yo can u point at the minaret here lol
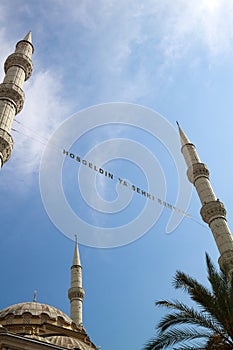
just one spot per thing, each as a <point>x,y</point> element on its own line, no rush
<point>212,211</point>
<point>18,68</point>
<point>76,292</point>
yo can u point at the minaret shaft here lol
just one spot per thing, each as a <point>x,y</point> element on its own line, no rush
<point>76,292</point>
<point>18,68</point>
<point>212,211</point>
<point>205,191</point>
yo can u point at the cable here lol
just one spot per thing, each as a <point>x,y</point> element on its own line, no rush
<point>38,136</point>
<point>186,215</point>
<point>30,129</point>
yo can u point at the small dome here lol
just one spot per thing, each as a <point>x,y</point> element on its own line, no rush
<point>69,343</point>
<point>35,309</point>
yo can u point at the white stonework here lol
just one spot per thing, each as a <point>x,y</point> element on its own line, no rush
<point>205,191</point>
<point>18,68</point>
<point>212,211</point>
<point>76,292</point>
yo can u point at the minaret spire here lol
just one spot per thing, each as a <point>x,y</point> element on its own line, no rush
<point>183,138</point>
<point>18,68</point>
<point>212,211</point>
<point>28,37</point>
<point>76,292</point>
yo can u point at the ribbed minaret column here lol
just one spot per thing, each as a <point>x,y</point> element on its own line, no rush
<point>18,68</point>
<point>76,292</point>
<point>212,211</point>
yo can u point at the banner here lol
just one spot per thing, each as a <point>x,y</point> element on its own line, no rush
<point>125,183</point>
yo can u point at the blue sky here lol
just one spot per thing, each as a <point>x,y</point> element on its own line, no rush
<point>174,57</point>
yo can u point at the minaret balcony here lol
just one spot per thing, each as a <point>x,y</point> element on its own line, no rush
<point>12,92</point>
<point>19,60</point>
<point>226,260</point>
<point>196,171</point>
<point>6,145</point>
<point>76,293</point>
<point>213,210</point>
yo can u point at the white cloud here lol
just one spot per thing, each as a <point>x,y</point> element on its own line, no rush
<point>128,46</point>
<point>120,44</point>
<point>175,24</point>
<point>43,110</point>
<point>195,25</point>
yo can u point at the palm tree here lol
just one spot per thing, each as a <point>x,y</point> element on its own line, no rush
<point>209,325</point>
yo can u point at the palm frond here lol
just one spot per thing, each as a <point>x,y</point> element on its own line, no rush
<point>218,302</point>
<point>207,327</point>
<point>174,336</point>
<point>186,315</point>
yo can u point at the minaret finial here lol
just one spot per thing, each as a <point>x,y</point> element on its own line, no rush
<point>212,211</point>
<point>76,259</point>
<point>28,37</point>
<point>18,68</point>
<point>183,138</point>
<point>76,292</point>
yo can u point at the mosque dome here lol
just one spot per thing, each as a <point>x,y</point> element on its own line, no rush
<point>46,324</point>
<point>32,311</point>
<point>35,310</point>
<point>69,343</point>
